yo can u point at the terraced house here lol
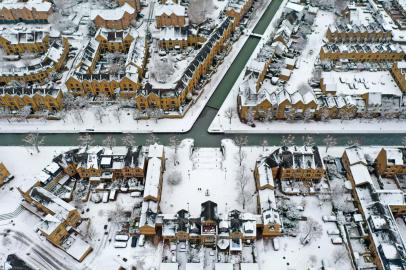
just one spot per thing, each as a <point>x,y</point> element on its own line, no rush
<point>92,76</point>
<point>373,32</point>
<point>31,11</point>
<point>52,61</point>
<point>4,174</point>
<point>362,52</point>
<point>170,14</point>
<point>398,72</point>
<point>117,18</point>
<point>18,41</point>
<point>36,98</point>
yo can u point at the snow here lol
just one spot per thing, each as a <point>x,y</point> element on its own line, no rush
<point>112,14</point>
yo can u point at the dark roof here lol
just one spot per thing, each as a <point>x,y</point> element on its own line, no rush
<point>209,211</point>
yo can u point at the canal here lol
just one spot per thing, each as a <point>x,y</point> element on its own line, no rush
<point>199,131</point>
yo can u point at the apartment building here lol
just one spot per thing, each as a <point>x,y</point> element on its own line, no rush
<point>170,14</point>
<point>349,33</point>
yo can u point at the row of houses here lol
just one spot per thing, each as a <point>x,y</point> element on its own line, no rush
<point>373,32</point>
<point>18,41</point>
<point>379,204</point>
<point>117,18</point>
<point>362,52</point>
<point>36,98</point>
<point>31,11</point>
<point>52,61</point>
<point>4,174</point>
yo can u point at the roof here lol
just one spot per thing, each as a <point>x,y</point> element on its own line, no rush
<point>112,14</point>
<point>249,266</point>
<point>355,155</point>
<point>38,5</point>
<point>223,266</point>
<point>169,9</point>
<point>169,266</point>
<point>194,266</point>
<point>360,174</point>
<point>153,178</point>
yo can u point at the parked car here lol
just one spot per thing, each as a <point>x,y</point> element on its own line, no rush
<point>333,232</point>
<point>329,218</point>
<point>134,241</point>
<point>337,240</point>
<point>275,243</point>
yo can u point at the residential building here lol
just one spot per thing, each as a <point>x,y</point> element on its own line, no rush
<point>117,18</point>
<point>170,14</point>
<point>362,52</point>
<point>4,174</point>
<point>52,61</point>
<point>30,11</point>
<point>398,72</point>
<point>17,41</point>
<point>178,38</point>
<point>343,33</point>
<point>391,162</point>
<point>237,9</point>
<point>36,98</point>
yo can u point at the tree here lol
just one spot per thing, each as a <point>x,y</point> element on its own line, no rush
<point>86,140</point>
<point>109,141</point>
<point>308,115</point>
<point>324,114</point>
<point>329,141</point>
<point>34,140</point>
<point>404,141</point>
<point>128,140</point>
<point>308,141</point>
<point>264,144</point>
<point>155,113</point>
<point>229,114</point>
<point>290,114</point>
<point>152,139</point>
<point>199,9</point>
<point>137,114</point>
<point>339,255</point>
<point>240,156</point>
<point>117,213</point>
<point>288,140</point>
<point>353,142</point>
<point>311,230</point>
<point>117,114</point>
<point>174,142</point>
<point>242,187</point>
<point>25,112</point>
<point>175,178</point>
<point>99,114</point>
<point>241,141</point>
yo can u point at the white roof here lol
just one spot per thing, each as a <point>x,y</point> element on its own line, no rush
<point>156,151</point>
<point>294,7</point>
<point>267,199</point>
<point>265,176</point>
<point>249,266</point>
<point>223,266</point>
<point>169,9</point>
<point>360,174</point>
<point>52,168</point>
<point>38,5</point>
<point>194,266</point>
<point>152,179</point>
<point>395,155</point>
<point>78,248</point>
<point>355,155</point>
<point>112,14</point>
<point>169,266</point>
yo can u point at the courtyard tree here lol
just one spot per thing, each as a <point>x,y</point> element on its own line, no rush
<point>243,187</point>
<point>175,178</point>
<point>311,230</point>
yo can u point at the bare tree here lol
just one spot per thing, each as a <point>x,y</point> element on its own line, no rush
<point>198,10</point>
<point>339,255</point>
<point>175,178</point>
<point>128,140</point>
<point>264,144</point>
<point>117,114</point>
<point>117,213</point>
<point>174,142</point>
<point>25,112</point>
<point>109,141</point>
<point>329,141</point>
<point>241,141</point>
<point>91,231</point>
<point>86,140</point>
<point>308,141</point>
<point>311,230</point>
<point>137,114</point>
<point>240,156</point>
<point>99,114</point>
<point>243,186</point>
<point>152,139</point>
<point>403,141</point>
<point>34,140</point>
<point>354,142</point>
<point>155,113</point>
<point>288,140</point>
<point>229,114</point>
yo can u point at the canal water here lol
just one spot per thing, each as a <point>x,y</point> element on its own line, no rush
<point>199,131</point>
